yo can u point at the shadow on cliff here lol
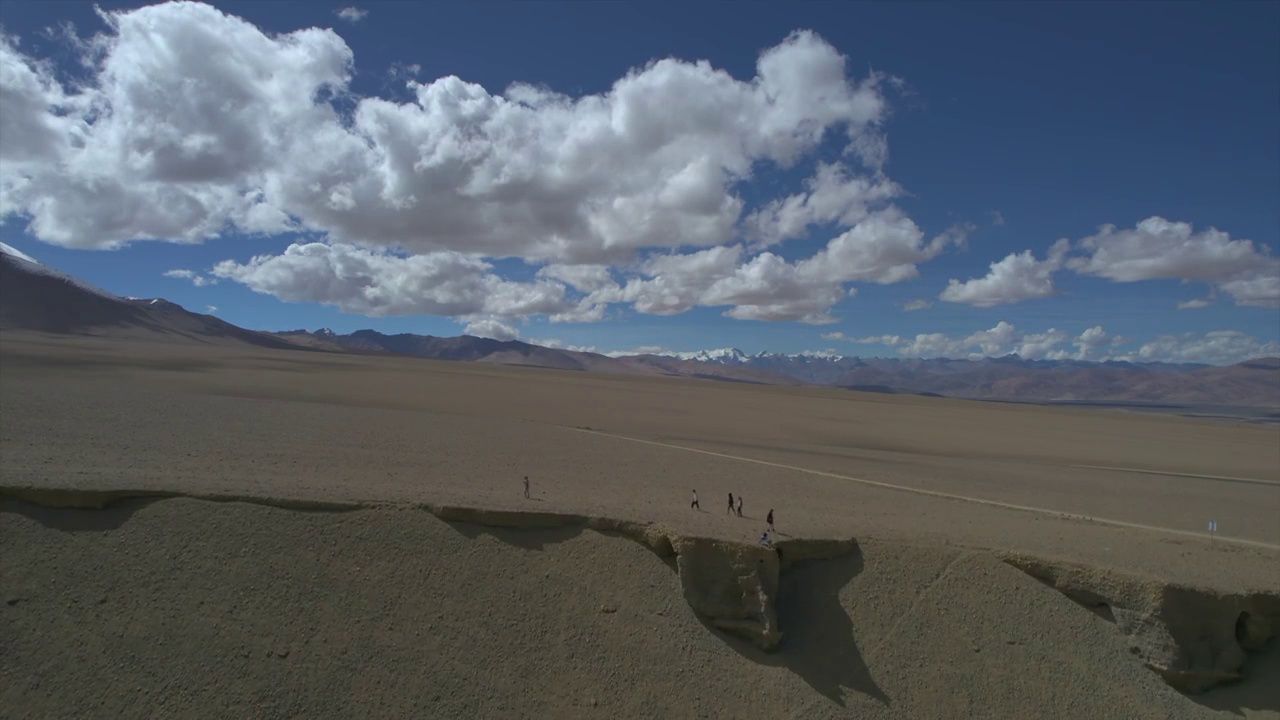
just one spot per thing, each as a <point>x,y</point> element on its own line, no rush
<point>111,517</point>
<point>527,539</point>
<point>818,643</point>
<point>1254,692</point>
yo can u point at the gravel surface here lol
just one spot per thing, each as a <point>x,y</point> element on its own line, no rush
<point>186,608</point>
<point>189,608</point>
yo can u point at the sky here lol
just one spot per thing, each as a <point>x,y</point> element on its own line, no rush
<point>1074,180</point>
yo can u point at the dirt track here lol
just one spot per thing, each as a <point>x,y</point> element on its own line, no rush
<point>104,414</point>
<point>305,424</point>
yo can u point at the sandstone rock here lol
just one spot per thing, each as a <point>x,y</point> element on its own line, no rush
<point>734,587</point>
<point>1193,638</point>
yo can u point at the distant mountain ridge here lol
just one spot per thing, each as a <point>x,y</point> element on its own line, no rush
<point>1254,382</point>
<point>36,297</point>
<point>469,348</point>
<point>39,298</point>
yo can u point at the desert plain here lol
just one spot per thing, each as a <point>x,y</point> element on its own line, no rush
<point>207,530</point>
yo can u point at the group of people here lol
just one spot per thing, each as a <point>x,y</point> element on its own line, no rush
<point>735,508</point>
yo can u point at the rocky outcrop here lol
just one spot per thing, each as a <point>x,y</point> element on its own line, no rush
<point>732,586</point>
<point>1194,638</point>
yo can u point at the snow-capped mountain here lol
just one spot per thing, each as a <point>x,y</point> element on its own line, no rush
<point>722,356</point>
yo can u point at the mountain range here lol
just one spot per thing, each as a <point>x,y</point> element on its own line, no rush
<point>38,298</point>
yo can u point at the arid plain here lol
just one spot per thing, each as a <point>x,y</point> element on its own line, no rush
<point>187,607</point>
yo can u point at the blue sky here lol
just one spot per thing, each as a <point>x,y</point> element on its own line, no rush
<point>1008,127</point>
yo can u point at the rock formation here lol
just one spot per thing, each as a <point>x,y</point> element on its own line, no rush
<point>1194,638</point>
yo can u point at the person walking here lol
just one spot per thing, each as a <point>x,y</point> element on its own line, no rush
<point>769,520</point>
<point>730,503</point>
<point>695,504</point>
<point>526,486</point>
<point>739,505</point>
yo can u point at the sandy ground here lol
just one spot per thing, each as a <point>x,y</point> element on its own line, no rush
<point>923,618</point>
<point>246,611</point>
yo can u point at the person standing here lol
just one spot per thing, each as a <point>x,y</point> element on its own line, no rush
<point>695,504</point>
<point>739,505</point>
<point>769,520</point>
<point>730,503</point>
<point>526,486</point>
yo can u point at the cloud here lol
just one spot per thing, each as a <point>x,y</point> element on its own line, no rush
<point>1018,277</point>
<point>210,309</point>
<point>379,284</point>
<point>957,235</point>
<point>557,344</point>
<point>884,247</point>
<point>1093,343</point>
<point>587,278</point>
<point>491,327</point>
<point>161,144</point>
<point>832,195</point>
<point>1157,249</point>
<point>1219,347</point>
<point>528,173</point>
<point>1195,304</point>
<point>196,278</point>
<point>997,218</point>
<point>1002,339</point>
<point>352,14</point>
<point>914,305</point>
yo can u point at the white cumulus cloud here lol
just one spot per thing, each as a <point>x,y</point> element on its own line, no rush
<point>1002,339</point>
<point>1219,347</point>
<point>378,283</point>
<point>352,14</point>
<point>1158,249</point>
<point>196,124</point>
<point>196,278</point>
<point>492,327</point>
<point>1018,277</point>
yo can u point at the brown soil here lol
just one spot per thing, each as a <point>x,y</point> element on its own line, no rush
<point>182,607</point>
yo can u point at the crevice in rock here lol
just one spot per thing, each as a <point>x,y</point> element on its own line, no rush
<point>1193,638</point>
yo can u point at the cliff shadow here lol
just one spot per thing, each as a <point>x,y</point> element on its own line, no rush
<point>524,538</point>
<point>111,517</point>
<point>1253,692</point>
<point>818,642</point>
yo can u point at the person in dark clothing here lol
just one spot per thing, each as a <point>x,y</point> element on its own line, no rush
<point>769,519</point>
<point>730,503</point>
<point>695,504</point>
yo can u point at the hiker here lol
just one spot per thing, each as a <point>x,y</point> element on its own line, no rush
<point>695,504</point>
<point>739,506</point>
<point>769,519</point>
<point>764,538</point>
<point>730,503</point>
<point>526,486</point>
